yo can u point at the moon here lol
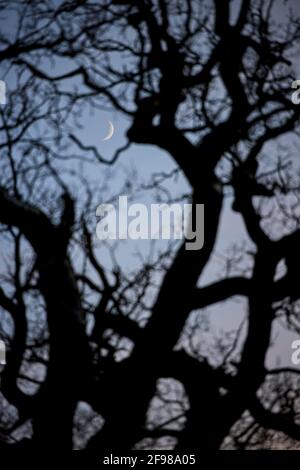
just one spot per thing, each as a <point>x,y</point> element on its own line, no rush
<point>111,131</point>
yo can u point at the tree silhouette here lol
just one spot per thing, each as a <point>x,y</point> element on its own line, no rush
<point>210,83</point>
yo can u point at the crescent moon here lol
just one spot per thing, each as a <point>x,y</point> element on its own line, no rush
<point>111,131</point>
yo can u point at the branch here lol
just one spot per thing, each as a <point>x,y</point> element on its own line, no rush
<point>94,150</point>
<point>229,287</point>
<point>31,221</point>
<point>218,291</point>
<point>7,304</point>
<point>276,421</point>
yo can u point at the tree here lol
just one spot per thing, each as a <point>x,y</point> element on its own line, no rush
<point>210,84</point>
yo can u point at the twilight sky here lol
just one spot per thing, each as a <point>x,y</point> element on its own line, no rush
<point>141,162</point>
